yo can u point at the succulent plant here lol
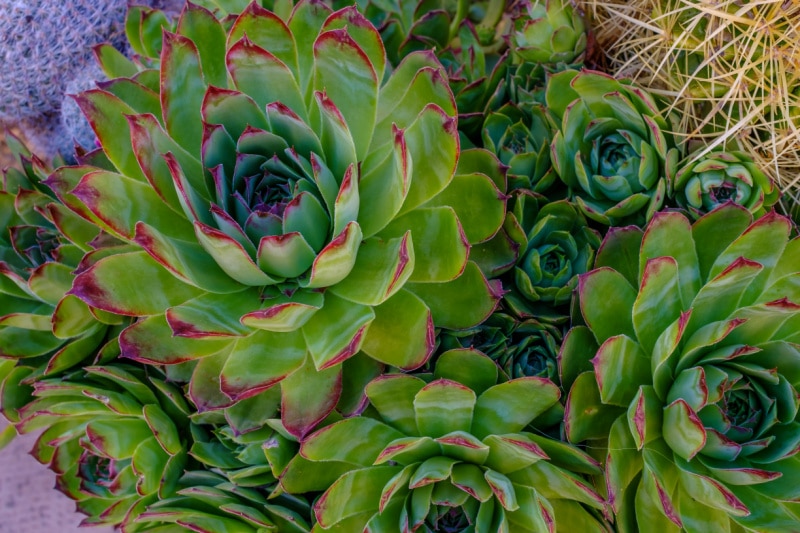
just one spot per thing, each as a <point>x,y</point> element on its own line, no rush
<point>612,147</point>
<point>520,348</point>
<point>282,227</point>
<point>115,435</point>
<point>549,32</point>
<point>687,376</point>
<point>208,503</point>
<point>555,246</point>
<point>701,184</point>
<point>43,330</point>
<point>445,453</point>
<point>520,135</point>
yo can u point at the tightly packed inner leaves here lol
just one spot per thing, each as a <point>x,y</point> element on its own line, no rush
<point>397,266</point>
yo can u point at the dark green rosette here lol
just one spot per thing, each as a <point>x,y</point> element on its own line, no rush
<point>613,146</point>
<point>686,372</point>
<point>699,185</point>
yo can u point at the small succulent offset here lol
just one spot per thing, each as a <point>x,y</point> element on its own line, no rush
<point>116,436</point>
<point>290,205</point>
<point>688,376</point>
<point>555,245</point>
<point>702,184</point>
<point>451,454</point>
<point>549,32</point>
<point>613,146</point>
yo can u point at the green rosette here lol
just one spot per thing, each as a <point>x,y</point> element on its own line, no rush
<point>290,203</point>
<point>685,372</point>
<point>452,452</point>
<point>613,146</point>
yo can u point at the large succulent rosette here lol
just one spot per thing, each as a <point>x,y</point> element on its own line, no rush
<point>612,147</point>
<point>703,183</point>
<point>686,372</point>
<point>451,454</point>
<point>290,203</point>
<point>116,437</point>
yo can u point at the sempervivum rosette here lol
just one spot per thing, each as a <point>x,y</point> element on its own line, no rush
<point>451,454</point>
<point>692,386</point>
<point>293,206</point>
<point>549,32</point>
<point>115,435</point>
<point>700,184</point>
<point>612,148</point>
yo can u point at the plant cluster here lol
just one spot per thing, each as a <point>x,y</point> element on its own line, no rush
<point>398,266</point>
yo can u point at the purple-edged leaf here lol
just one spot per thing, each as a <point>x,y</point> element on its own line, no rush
<point>213,315</point>
<point>308,395</point>
<point>381,269</point>
<point>115,284</point>
<point>151,143</point>
<point>286,256</point>
<point>763,242</point>
<point>204,387</point>
<point>431,471</point>
<point>233,109</point>
<point>285,313</point>
<point>418,81</point>
<point>462,303</point>
<point>182,91</point>
<point>620,251</point>
<point>139,97</point>
<point>393,396</point>
<point>259,361</point>
<point>305,215</point>
<point>664,356</point>
<point>552,481</point>
<point>383,185</point>
<point>267,31</point>
<point>336,332</point>
<point>469,478</point>
<point>405,316</point>
<point>586,417</point>
<point>117,439</point>
<point>336,259</point>
<point>686,434</point>
<point>503,490</point>
<point>357,440</point>
<point>722,295</point>
<point>605,315</point>
<point>346,206</point>
<point>203,28</point>
<point>120,202</point>
<point>163,428</point>
<point>264,77</point>
<point>334,134</point>
<point>705,337</point>
<point>722,471</point>
<point>113,62</point>
<point>106,114</point>
<point>444,406</point>
<point>658,303</point>
<point>344,72</point>
<point>716,231</point>
<point>355,493</point>
<point>231,256</point>
<point>510,453</point>
<point>363,33</point>
<point>620,368</point>
<point>464,447</point>
<point>150,340</point>
<point>432,142</point>
<point>188,261</point>
<point>645,416</point>
<point>509,407</point>
<point>409,450</point>
<point>478,203</point>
